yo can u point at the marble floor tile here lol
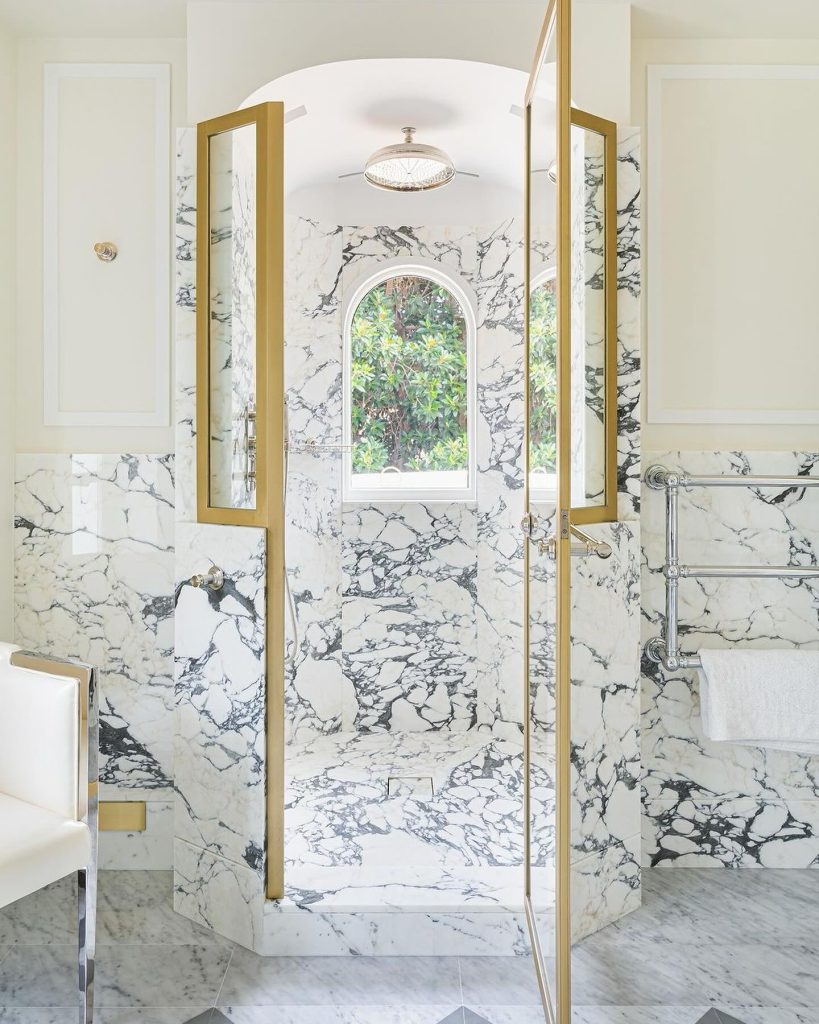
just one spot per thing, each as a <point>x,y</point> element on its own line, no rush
<point>134,907</point>
<point>105,1015</point>
<point>638,1014</point>
<point>127,976</point>
<point>338,1014</point>
<point>510,1014</point>
<point>253,980</point>
<point>772,1014</point>
<point>45,916</point>
<point>725,906</point>
<point>499,981</point>
<point>609,968</point>
<point>139,913</point>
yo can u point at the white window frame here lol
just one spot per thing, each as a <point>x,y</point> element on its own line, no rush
<point>548,491</point>
<point>431,271</point>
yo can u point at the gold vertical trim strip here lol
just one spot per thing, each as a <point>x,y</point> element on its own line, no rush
<point>563,559</point>
<point>527,688</point>
<point>551,24</point>
<point>607,512</point>
<point>271,170</point>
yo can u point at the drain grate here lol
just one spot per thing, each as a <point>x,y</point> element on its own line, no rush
<point>419,787</point>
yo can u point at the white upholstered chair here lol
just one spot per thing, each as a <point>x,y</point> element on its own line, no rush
<point>48,788</point>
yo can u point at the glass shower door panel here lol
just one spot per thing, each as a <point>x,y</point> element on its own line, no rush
<point>546,522</point>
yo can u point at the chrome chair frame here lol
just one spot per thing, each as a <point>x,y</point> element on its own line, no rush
<point>88,810</point>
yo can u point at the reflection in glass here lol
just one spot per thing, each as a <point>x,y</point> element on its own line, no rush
<point>232,321</point>
<point>543,386</point>
<point>588,317</point>
<point>542,463</point>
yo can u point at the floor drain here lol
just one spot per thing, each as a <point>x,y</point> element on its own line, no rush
<point>419,787</point>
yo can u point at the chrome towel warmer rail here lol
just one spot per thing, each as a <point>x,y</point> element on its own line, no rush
<point>665,650</point>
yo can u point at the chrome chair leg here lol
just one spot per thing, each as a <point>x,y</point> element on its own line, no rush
<point>87,914</point>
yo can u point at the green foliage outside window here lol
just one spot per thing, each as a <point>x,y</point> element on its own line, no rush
<point>409,378</point>
<point>543,378</point>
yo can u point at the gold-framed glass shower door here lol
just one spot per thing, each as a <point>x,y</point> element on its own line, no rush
<point>240,390</point>
<point>547,506</point>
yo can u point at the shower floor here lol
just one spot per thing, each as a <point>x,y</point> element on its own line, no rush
<point>445,833</point>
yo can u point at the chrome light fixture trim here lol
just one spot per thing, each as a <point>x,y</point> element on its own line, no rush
<point>409,166</point>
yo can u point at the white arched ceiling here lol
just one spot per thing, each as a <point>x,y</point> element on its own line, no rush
<point>338,114</point>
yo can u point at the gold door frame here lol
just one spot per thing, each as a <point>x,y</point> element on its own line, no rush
<point>557,26</point>
<point>607,512</point>
<point>269,511</point>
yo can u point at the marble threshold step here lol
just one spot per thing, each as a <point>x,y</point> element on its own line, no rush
<point>399,911</point>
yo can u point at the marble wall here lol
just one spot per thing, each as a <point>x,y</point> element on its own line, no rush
<point>94,551</point>
<point>392,599</point>
<point>708,803</point>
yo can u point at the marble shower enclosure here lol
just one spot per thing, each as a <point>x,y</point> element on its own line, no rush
<point>337,556</point>
<point>713,804</point>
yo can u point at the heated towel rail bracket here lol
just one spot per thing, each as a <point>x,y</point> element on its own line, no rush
<point>665,650</point>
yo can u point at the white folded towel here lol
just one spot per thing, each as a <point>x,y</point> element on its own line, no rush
<point>761,698</point>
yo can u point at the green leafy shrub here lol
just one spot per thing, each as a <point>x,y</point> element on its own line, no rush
<point>409,378</point>
<point>543,377</point>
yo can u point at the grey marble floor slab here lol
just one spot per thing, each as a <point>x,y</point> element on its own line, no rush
<point>337,1014</point>
<point>499,981</point>
<point>638,1014</point>
<point>341,981</point>
<point>127,975</point>
<point>609,969</point>
<point>741,942</point>
<point>709,905</point>
<point>105,1015</point>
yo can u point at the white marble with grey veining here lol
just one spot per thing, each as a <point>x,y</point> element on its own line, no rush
<point>629,286</point>
<point>94,552</point>
<point>221,694</point>
<point>185,325</point>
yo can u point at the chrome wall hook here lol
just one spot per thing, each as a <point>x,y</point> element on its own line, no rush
<point>213,578</point>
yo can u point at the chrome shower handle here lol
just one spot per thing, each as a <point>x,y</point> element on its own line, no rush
<point>213,578</point>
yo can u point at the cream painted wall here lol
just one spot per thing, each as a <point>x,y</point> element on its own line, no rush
<point>797,346</point>
<point>233,48</point>
<point>601,60</point>
<point>33,54</point>
<point>7,282</point>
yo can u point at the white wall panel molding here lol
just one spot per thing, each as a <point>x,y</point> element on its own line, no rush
<point>732,303</point>
<point>106,177</point>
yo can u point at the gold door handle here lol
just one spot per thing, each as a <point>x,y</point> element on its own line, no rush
<point>583,547</point>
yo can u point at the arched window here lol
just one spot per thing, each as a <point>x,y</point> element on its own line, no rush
<point>543,386</point>
<point>409,383</point>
